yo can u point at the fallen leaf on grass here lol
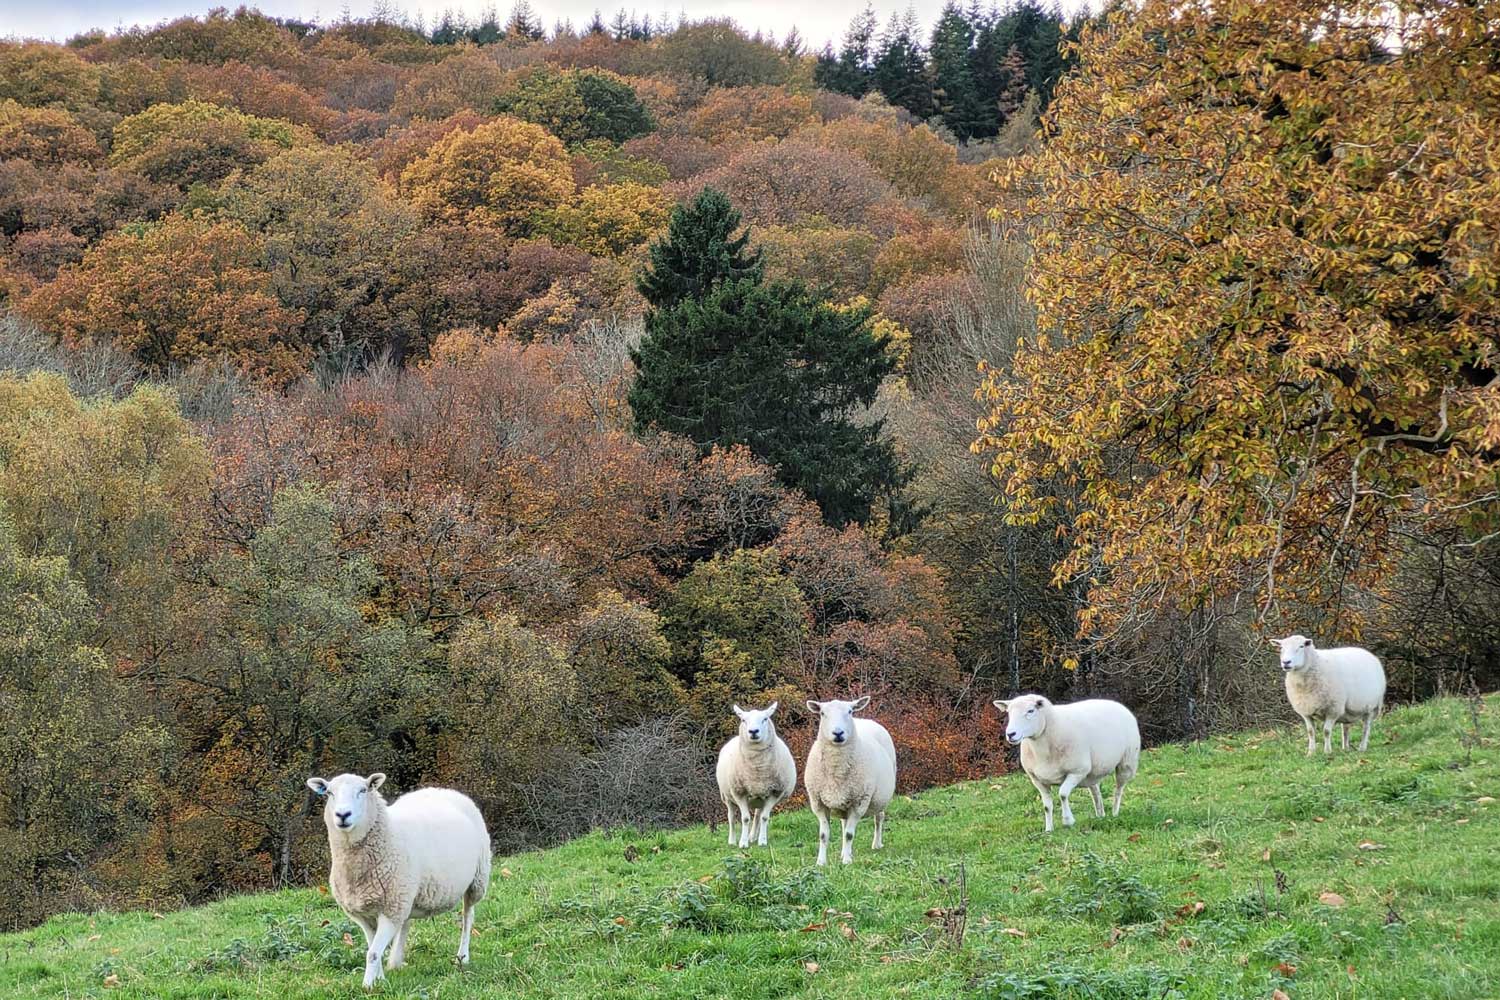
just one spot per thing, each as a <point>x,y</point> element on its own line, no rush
<point>1114,935</point>
<point>813,927</point>
<point>348,940</point>
<point>847,931</point>
<point>1134,838</point>
<point>1168,822</point>
<point>1183,944</point>
<point>1014,932</point>
<point>1190,909</point>
<point>811,966</point>
<point>1460,822</point>
<point>506,873</point>
<point>1370,845</point>
<point>1319,819</point>
<point>92,937</point>
<point>935,913</point>
<point>1330,899</point>
<point>1286,970</point>
<point>1279,995</point>
<point>622,921</point>
<point>111,981</point>
<point>1266,854</point>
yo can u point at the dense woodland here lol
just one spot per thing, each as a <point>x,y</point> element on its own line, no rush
<point>494,405</point>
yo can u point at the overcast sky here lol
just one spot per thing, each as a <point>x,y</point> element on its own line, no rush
<point>818,21</point>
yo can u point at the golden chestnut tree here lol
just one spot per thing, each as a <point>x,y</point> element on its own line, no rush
<point>1265,269</point>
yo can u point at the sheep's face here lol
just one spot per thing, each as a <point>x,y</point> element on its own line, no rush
<point>836,719</point>
<point>1023,717</point>
<point>347,802</point>
<point>1296,652</point>
<point>756,725</point>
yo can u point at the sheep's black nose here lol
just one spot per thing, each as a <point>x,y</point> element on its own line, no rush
<point>754,733</point>
<point>343,817</point>
<point>838,736</point>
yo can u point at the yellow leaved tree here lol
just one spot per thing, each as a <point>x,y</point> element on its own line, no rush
<point>1265,273</point>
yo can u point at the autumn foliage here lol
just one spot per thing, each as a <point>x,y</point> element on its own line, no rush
<point>1261,363</point>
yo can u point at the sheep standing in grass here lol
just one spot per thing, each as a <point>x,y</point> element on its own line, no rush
<point>851,772</point>
<point>1334,685</point>
<point>424,854</point>
<point>1072,745</point>
<point>755,772</point>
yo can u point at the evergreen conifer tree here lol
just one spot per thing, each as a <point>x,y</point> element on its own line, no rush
<point>729,360</point>
<point>700,252</point>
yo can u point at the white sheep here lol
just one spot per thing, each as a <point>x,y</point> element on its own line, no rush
<point>424,854</point>
<point>755,772</point>
<point>1072,745</point>
<point>1341,685</point>
<point>851,772</point>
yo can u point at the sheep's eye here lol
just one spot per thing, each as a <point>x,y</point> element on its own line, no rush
<point>363,790</point>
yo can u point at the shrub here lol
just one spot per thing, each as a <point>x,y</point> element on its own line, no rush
<point>577,105</point>
<point>44,136</point>
<point>195,142</point>
<point>176,292</point>
<point>499,174</point>
<point>785,183</point>
<point>608,221</point>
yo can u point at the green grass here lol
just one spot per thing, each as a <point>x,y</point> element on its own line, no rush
<point>1108,910</point>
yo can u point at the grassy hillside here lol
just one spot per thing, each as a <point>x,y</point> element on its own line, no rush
<point>1237,868</point>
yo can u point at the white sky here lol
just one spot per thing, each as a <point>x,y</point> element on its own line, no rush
<point>818,22</point>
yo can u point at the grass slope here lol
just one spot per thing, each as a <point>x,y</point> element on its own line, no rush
<point>1407,836</point>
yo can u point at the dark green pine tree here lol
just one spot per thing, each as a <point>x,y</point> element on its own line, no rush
<point>900,71</point>
<point>729,360</point>
<point>950,58</point>
<point>985,68</point>
<point>700,252</point>
<point>850,71</point>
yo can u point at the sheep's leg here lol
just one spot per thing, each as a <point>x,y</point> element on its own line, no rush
<point>1098,798</point>
<point>385,932</point>
<point>365,925</point>
<point>878,843</point>
<point>851,820</point>
<point>747,824</point>
<point>765,823</point>
<point>729,808</point>
<point>468,928</point>
<point>1328,724</point>
<point>1069,783</point>
<point>1045,791</point>
<point>1364,743</point>
<point>1312,742</point>
<point>1119,791</point>
<point>822,837</point>
<point>1345,727</point>
<point>397,958</point>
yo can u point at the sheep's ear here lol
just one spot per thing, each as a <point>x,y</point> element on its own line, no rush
<point>738,711</point>
<point>1307,642</point>
<point>1040,702</point>
<point>1002,706</point>
<point>772,710</point>
<point>859,703</point>
<point>375,780</point>
<point>317,786</point>
<point>813,707</point>
<point>1273,641</point>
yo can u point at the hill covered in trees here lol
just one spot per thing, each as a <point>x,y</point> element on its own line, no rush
<point>500,403</point>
